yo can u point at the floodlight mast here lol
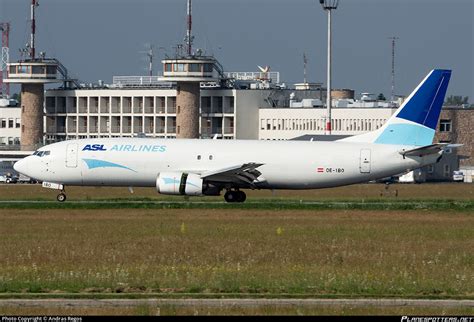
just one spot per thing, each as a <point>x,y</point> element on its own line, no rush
<point>329,5</point>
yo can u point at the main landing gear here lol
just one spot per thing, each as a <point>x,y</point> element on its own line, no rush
<point>235,196</point>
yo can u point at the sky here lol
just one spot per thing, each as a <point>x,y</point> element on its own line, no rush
<point>97,39</point>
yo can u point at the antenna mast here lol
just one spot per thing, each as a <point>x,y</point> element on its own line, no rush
<point>34,4</point>
<point>5,57</point>
<point>150,56</point>
<point>189,37</point>
<point>305,62</point>
<point>393,67</point>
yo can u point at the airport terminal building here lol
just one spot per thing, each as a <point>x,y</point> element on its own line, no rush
<point>257,110</point>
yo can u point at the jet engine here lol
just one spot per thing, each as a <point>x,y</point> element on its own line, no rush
<point>179,183</point>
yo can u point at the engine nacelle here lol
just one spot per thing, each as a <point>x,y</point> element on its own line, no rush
<point>179,183</point>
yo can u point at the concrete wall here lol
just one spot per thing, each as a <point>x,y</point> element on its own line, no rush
<point>462,132</point>
<point>7,114</point>
<point>288,123</point>
<point>247,109</point>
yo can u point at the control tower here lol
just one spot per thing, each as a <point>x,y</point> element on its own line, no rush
<point>32,75</point>
<point>188,72</point>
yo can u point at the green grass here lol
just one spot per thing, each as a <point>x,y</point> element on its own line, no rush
<point>320,253</point>
<point>422,205</point>
<point>444,191</point>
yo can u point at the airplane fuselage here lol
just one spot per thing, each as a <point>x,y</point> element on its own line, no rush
<point>285,164</point>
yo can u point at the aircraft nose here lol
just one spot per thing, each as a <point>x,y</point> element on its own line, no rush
<point>21,166</point>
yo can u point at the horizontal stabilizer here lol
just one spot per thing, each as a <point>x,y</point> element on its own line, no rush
<point>429,149</point>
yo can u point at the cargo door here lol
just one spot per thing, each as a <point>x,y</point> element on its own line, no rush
<point>364,161</point>
<point>71,155</point>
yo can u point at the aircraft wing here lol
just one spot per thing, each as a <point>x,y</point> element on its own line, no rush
<point>246,173</point>
<point>429,149</point>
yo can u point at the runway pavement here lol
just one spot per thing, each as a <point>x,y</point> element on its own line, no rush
<point>102,303</point>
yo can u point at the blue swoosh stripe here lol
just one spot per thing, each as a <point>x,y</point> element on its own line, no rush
<point>93,163</point>
<point>171,181</point>
<point>175,181</point>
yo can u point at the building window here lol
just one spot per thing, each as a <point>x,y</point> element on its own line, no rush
<point>178,67</point>
<point>3,123</point>
<point>38,69</point>
<point>445,126</point>
<point>430,169</point>
<point>17,123</point>
<point>10,123</point>
<point>208,68</point>
<point>194,67</point>
<point>51,70</point>
<point>23,69</point>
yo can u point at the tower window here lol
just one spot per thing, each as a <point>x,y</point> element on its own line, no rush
<point>445,126</point>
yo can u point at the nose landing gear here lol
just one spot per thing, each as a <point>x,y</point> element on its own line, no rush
<point>56,186</point>
<point>61,197</point>
<point>235,196</point>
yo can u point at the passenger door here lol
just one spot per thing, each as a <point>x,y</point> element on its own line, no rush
<point>71,155</point>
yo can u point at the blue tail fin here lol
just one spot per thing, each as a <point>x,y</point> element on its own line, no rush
<point>414,123</point>
<point>424,104</point>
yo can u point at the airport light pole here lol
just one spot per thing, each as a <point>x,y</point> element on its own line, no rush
<point>328,6</point>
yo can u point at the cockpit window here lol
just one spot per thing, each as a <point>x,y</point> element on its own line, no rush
<point>42,153</point>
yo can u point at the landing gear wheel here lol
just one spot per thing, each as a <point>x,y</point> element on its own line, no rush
<point>235,196</point>
<point>230,196</point>
<point>241,196</point>
<point>61,197</point>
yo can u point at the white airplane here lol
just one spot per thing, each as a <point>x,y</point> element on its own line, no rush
<point>208,167</point>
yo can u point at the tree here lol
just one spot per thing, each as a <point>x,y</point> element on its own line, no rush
<point>457,100</point>
<point>17,97</point>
